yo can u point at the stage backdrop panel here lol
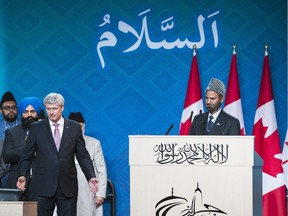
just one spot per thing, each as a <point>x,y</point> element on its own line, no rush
<point>125,64</point>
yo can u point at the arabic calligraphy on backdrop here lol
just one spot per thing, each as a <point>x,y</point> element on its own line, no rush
<point>109,39</point>
<point>191,153</point>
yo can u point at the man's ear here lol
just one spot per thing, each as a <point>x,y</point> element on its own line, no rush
<point>222,99</point>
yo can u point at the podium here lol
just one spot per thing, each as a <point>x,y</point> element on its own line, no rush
<point>18,208</point>
<point>193,175</point>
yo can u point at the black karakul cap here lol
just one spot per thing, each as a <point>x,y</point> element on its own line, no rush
<point>7,96</point>
<point>76,116</point>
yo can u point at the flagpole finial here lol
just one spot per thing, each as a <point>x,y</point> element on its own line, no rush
<point>234,49</point>
<point>194,49</point>
<point>266,49</point>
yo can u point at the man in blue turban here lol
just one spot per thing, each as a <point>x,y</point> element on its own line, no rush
<point>31,108</point>
<point>15,139</point>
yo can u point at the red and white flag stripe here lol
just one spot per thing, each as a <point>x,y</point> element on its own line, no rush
<point>285,159</point>
<point>233,104</point>
<point>267,145</point>
<point>193,102</point>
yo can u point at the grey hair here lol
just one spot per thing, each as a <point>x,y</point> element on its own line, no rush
<point>53,98</point>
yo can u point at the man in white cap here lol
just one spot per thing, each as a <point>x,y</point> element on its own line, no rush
<point>88,203</point>
<point>215,121</point>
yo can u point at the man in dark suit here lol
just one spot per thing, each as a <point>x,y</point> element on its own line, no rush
<point>15,139</point>
<point>8,108</point>
<point>215,121</point>
<point>56,141</point>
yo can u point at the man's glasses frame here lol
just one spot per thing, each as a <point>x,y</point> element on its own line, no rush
<point>8,108</point>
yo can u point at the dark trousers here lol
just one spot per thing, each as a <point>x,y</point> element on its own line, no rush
<point>65,206</point>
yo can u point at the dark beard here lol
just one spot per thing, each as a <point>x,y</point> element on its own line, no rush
<point>213,108</point>
<point>26,122</point>
<point>10,118</point>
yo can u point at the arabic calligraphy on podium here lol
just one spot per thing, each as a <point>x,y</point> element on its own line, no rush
<point>191,153</point>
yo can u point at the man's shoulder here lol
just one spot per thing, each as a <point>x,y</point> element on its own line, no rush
<point>71,123</point>
<point>39,123</point>
<point>90,138</point>
<point>16,128</point>
<point>3,122</point>
<point>228,116</point>
<point>201,115</point>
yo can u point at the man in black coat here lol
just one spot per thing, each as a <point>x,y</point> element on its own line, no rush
<point>56,141</point>
<point>15,139</point>
<point>215,121</point>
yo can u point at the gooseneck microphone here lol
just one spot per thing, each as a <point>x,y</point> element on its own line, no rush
<point>191,116</point>
<point>190,122</point>
<point>169,129</point>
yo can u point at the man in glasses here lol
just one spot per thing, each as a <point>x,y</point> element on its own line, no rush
<point>9,113</point>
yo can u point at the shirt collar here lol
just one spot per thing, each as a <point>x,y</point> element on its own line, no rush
<point>60,122</point>
<point>215,115</point>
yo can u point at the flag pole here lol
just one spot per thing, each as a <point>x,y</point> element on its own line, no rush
<point>193,101</point>
<point>191,116</point>
<point>267,146</point>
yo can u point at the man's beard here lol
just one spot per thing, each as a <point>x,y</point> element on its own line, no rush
<point>10,117</point>
<point>26,122</point>
<point>213,108</point>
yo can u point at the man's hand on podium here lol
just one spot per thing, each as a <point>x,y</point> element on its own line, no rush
<point>21,183</point>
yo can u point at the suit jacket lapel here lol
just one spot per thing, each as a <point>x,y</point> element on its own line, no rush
<point>65,134</point>
<point>203,122</point>
<point>49,133</point>
<point>218,124</point>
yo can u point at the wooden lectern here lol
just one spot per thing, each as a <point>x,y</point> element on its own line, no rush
<point>18,208</point>
<point>11,204</point>
<point>192,175</point>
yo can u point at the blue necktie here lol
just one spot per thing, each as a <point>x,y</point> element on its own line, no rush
<point>209,124</point>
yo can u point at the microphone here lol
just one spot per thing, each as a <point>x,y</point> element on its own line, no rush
<point>191,116</point>
<point>190,122</point>
<point>169,129</point>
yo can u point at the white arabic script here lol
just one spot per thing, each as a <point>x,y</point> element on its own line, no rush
<point>108,39</point>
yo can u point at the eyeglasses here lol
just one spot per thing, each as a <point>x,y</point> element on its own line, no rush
<point>8,108</point>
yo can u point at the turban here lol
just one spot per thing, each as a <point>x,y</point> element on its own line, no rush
<point>7,96</point>
<point>217,86</point>
<point>33,101</point>
<point>76,116</point>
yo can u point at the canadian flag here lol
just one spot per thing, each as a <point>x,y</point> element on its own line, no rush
<point>193,102</point>
<point>267,145</point>
<point>233,104</point>
<point>285,159</point>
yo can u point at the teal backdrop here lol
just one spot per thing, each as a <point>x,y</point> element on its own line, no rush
<point>125,64</point>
